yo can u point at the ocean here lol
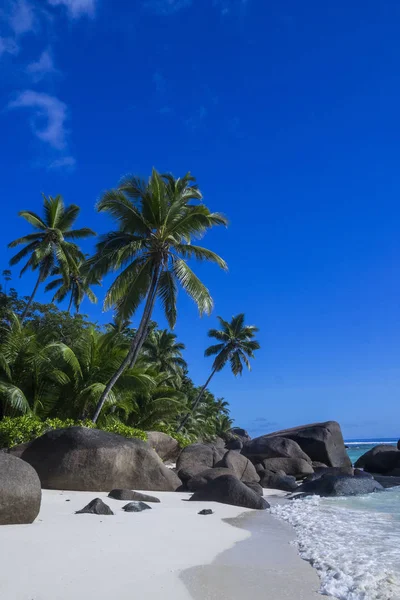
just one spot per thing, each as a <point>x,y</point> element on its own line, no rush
<point>354,543</point>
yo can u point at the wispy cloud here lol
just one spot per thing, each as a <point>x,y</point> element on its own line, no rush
<point>8,46</point>
<point>21,17</point>
<point>65,162</point>
<point>48,116</point>
<point>43,67</point>
<point>76,8</point>
<point>166,7</point>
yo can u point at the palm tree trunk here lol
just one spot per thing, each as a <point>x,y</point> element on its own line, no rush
<point>27,307</point>
<point>136,343</point>
<point>195,405</point>
<point>70,303</point>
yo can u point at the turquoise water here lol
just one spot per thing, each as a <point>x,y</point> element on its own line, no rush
<point>353,542</point>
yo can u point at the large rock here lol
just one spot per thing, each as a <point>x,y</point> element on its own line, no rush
<point>273,447</point>
<point>297,467</point>
<point>322,442</point>
<point>95,507</point>
<point>166,447</point>
<point>380,459</point>
<point>240,465</point>
<point>279,481</point>
<point>20,491</point>
<point>229,490</point>
<point>201,480</point>
<point>197,458</point>
<point>340,485</point>
<point>240,434</point>
<point>84,459</point>
<point>131,495</point>
<point>321,471</point>
<point>387,481</point>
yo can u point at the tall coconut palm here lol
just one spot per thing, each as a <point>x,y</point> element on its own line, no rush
<point>237,345</point>
<point>164,352</point>
<point>78,286</point>
<point>49,247</point>
<point>157,221</point>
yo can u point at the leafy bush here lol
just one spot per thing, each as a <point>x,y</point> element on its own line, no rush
<point>183,440</point>
<point>18,430</point>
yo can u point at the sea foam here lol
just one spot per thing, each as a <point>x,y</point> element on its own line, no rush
<point>353,543</point>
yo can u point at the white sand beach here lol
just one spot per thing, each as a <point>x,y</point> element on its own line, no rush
<point>63,556</point>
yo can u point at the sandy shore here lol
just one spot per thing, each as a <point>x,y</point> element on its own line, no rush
<point>168,552</point>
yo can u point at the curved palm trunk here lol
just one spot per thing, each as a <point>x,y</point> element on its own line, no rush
<point>70,302</point>
<point>27,307</point>
<point>195,405</point>
<point>136,343</point>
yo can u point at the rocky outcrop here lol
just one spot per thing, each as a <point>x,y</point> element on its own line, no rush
<point>322,442</point>
<point>199,481</point>
<point>95,507</point>
<point>321,471</point>
<point>380,459</point>
<point>387,481</point>
<point>229,490</point>
<point>197,458</point>
<point>340,485</point>
<point>265,446</point>
<point>131,495</point>
<point>166,447</point>
<point>240,434</point>
<point>20,491</point>
<point>240,465</point>
<point>279,481</point>
<point>78,458</point>
<point>256,487</point>
<point>297,467</point>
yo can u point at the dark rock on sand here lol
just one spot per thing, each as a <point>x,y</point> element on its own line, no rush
<point>265,447</point>
<point>20,491</point>
<point>199,481</point>
<point>319,465</point>
<point>256,487</point>
<point>78,458</point>
<point>240,465</point>
<point>322,442</point>
<point>166,447</point>
<point>196,458</point>
<point>297,467</point>
<point>380,459</point>
<point>136,507</point>
<point>206,511</point>
<point>229,490</point>
<point>279,481</point>
<point>340,485</point>
<point>95,507</point>
<point>131,495</point>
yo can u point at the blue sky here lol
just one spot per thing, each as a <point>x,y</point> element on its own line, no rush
<point>288,115</point>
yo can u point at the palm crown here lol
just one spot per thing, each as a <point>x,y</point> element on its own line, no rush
<point>49,247</point>
<point>162,349</point>
<point>237,344</point>
<point>78,285</point>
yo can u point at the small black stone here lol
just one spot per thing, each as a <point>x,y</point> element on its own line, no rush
<point>206,511</point>
<point>136,507</point>
<point>95,507</point>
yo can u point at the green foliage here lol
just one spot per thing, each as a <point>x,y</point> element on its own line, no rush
<point>18,430</point>
<point>183,440</point>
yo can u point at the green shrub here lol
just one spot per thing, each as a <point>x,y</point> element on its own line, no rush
<point>183,440</point>
<point>18,430</point>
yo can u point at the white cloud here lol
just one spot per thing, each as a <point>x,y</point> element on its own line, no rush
<point>21,17</point>
<point>48,116</point>
<point>166,7</point>
<point>77,8</point>
<point>65,162</point>
<point>43,67</point>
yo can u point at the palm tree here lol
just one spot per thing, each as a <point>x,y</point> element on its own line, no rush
<point>164,352</point>
<point>156,222</point>
<point>49,247</point>
<point>78,286</point>
<point>237,345</point>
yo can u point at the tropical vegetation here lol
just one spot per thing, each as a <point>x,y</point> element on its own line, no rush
<point>60,368</point>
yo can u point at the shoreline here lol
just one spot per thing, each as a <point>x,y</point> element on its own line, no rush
<point>266,563</point>
<point>169,551</point>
